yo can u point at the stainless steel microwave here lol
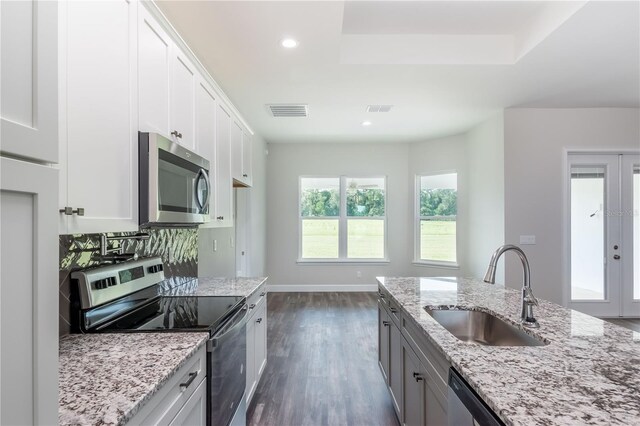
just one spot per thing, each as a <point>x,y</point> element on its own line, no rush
<point>174,185</point>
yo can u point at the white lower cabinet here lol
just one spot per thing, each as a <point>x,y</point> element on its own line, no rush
<point>256,342</point>
<point>194,412</point>
<point>28,286</point>
<point>182,400</point>
<point>415,375</point>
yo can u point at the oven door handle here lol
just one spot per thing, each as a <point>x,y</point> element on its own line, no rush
<point>239,320</point>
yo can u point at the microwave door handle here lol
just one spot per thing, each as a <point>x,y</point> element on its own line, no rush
<point>202,174</point>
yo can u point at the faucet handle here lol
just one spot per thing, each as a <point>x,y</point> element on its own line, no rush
<point>528,297</point>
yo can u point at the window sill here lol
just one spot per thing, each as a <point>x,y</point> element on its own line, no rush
<point>342,261</point>
<point>440,265</point>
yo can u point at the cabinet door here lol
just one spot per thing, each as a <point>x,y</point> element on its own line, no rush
<point>194,411</point>
<point>395,368</point>
<point>435,406</point>
<point>261,340</point>
<point>236,151</point>
<point>224,192</point>
<point>101,139</point>
<point>206,137</point>
<point>154,57</point>
<point>29,79</point>
<point>251,359</point>
<point>247,163</point>
<point>384,325</point>
<point>28,289</point>
<point>413,388</point>
<point>183,86</point>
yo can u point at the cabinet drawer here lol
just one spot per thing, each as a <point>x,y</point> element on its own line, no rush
<point>393,309</point>
<point>169,400</point>
<point>257,298</point>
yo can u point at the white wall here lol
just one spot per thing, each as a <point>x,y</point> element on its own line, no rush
<point>222,263</point>
<point>485,183</point>
<point>535,142</point>
<point>399,162</point>
<point>441,155</point>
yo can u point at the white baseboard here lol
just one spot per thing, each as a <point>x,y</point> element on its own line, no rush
<point>276,288</point>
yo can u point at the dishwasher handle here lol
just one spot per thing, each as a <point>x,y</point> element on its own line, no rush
<point>466,400</point>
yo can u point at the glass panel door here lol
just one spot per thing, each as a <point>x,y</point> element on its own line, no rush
<point>587,233</point>
<point>594,277</point>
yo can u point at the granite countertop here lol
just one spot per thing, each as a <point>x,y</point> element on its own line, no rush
<point>105,378</point>
<point>588,374</point>
<point>212,286</point>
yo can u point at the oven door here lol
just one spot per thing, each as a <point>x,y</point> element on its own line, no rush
<point>175,188</point>
<point>226,377</point>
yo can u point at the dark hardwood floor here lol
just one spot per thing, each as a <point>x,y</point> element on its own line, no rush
<point>322,363</point>
<point>630,323</point>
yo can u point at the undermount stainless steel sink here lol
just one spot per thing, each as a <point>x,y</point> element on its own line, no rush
<point>482,328</point>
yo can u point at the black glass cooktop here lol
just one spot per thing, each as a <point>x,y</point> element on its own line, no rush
<point>177,313</point>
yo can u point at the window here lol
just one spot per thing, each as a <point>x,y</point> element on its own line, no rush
<point>437,208</point>
<point>342,218</point>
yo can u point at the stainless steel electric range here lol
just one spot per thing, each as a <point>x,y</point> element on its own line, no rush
<point>127,297</point>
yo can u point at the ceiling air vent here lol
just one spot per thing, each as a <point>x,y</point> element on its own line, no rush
<point>289,110</point>
<point>379,108</point>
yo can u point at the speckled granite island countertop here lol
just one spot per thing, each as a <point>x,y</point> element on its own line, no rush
<point>104,379</point>
<point>588,374</point>
<point>211,286</point>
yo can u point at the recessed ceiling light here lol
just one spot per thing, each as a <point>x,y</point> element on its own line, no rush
<point>289,43</point>
<point>366,123</point>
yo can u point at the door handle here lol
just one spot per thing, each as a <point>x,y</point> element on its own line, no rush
<point>386,323</point>
<point>616,256</point>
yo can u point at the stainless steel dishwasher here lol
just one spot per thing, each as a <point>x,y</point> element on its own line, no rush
<point>465,406</point>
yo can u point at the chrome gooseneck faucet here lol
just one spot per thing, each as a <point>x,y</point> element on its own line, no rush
<point>528,299</point>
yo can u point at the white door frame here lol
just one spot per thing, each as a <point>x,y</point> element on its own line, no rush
<point>566,243</point>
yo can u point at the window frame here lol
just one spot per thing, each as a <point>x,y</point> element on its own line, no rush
<point>445,264</point>
<point>342,219</point>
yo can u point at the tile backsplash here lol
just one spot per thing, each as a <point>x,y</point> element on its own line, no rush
<point>177,247</point>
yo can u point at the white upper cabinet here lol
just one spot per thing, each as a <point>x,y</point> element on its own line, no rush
<point>224,193</point>
<point>123,69</point>
<point>240,155</point>
<point>183,86</point>
<point>206,136</point>
<point>29,79</point>
<point>247,152</point>
<point>99,149</point>
<point>236,151</point>
<point>154,64</point>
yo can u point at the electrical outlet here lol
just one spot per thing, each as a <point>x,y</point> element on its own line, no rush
<point>528,240</point>
<point>215,245</point>
<point>359,274</point>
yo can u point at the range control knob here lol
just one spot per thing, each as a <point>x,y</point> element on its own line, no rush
<point>105,282</point>
<point>155,268</point>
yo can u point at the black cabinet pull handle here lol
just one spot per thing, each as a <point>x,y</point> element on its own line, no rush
<point>417,376</point>
<point>220,217</point>
<point>259,320</point>
<point>262,294</point>
<point>386,323</point>
<point>176,134</point>
<point>393,310</point>
<point>245,175</point>
<point>251,306</point>
<point>192,377</point>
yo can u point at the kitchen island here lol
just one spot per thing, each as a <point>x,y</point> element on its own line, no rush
<point>588,372</point>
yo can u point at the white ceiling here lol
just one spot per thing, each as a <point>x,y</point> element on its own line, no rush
<point>562,54</point>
